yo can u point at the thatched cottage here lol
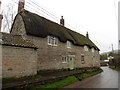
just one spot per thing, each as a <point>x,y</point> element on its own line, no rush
<point>36,43</point>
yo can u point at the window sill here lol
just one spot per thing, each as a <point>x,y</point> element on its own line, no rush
<point>64,62</point>
<point>83,62</point>
<point>52,45</point>
<point>69,47</point>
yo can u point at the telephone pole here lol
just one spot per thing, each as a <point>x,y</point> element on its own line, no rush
<point>112,48</point>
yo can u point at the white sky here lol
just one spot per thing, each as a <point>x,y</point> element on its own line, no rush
<point>98,17</point>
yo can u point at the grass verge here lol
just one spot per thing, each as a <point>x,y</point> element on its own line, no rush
<point>67,81</point>
<point>112,67</point>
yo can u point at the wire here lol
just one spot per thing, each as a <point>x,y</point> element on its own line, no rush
<point>27,7</point>
<point>53,16</point>
<point>44,9</point>
<point>39,8</point>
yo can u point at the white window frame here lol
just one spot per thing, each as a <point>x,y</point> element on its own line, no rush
<point>0,40</point>
<point>93,50</point>
<point>52,41</point>
<point>82,57</point>
<point>69,44</point>
<point>64,59</point>
<point>86,48</point>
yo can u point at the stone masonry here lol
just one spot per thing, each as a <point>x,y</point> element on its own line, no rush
<point>18,61</point>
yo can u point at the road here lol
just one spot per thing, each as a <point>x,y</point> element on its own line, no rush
<point>107,79</point>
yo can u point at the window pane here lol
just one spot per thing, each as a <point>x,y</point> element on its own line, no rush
<point>52,40</point>
<point>49,40</point>
<point>85,48</point>
<point>69,44</point>
<point>55,41</point>
<point>82,59</point>
<point>64,59</point>
<point>93,50</point>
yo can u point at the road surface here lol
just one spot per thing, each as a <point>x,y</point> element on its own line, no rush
<point>107,79</point>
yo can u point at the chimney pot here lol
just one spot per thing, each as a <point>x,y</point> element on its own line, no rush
<point>21,5</point>
<point>22,1</point>
<point>1,16</point>
<point>62,21</point>
<point>87,35</point>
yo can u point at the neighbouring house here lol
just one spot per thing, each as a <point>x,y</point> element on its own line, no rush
<point>114,59</point>
<point>36,43</point>
<point>104,62</point>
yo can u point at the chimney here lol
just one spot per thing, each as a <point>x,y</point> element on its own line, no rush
<point>87,35</point>
<point>1,17</point>
<point>21,5</point>
<point>62,21</point>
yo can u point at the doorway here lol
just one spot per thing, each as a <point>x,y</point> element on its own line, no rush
<point>71,61</point>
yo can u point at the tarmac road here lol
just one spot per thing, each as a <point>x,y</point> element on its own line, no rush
<point>107,79</point>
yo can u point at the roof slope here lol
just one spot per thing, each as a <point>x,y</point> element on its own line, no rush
<point>39,26</point>
<point>15,40</point>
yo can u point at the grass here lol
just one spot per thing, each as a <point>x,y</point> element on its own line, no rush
<point>112,67</point>
<point>60,83</point>
<point>83,76</point>
<point>67,81</point>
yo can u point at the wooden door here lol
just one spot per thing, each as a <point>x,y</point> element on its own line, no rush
<point>71,62</point>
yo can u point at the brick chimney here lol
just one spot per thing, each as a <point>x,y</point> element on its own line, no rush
<point>87,35</point>
<point>62,21</point>
<point>21,5</point>
<point>1,17</point>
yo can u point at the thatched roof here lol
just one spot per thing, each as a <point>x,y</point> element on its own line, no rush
<point>15,40</point>
<point>41,27</point>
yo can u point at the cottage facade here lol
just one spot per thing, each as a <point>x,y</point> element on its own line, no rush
<point>40,44</point>
<point>57,47</point>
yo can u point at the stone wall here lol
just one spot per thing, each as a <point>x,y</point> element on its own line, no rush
<point>50,57</point>
<point>18,27</point>
<point>18,61</point>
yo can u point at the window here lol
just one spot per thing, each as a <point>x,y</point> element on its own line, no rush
<point>69,44</point>
<point>93,50</point>
<point>52,41</point>
<point>85,48</point>
<point>64,59</point>
<point>82,59</point>
<point>0,40</point>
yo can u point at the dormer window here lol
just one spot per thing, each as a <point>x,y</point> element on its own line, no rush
<point>93,50</point>
<point>52,40</point>
<point>85,48</point>
<point>69,44</point>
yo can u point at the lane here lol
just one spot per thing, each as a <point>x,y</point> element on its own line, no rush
<point>107,79</point>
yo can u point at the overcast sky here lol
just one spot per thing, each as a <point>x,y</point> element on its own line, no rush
<point>98,17</point>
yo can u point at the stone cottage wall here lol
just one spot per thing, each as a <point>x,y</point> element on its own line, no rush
<point>18,61</point>
<point>50,57</point>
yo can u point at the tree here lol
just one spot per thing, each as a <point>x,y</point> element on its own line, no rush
<point>8,17</point>
<point>103,56</point>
